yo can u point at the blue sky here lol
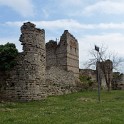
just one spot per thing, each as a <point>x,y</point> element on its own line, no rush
<point>90,21</point>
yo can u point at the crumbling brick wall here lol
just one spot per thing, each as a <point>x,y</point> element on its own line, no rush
<point>26,79</point>
<point>65,54</point>
<point>29,79</point>
<point>60,81</point>
<point>51,58</point>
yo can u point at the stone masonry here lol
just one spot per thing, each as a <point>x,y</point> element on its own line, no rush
<point>65,54</point>
<point>26,79</point>
<point>105,72</point>
<point>29,79</point>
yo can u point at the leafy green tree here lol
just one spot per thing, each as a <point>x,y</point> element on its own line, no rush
<point>8,53</point>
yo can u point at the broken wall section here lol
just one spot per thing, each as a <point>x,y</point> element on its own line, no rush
<point>27,78</point>
<point>65,54</point>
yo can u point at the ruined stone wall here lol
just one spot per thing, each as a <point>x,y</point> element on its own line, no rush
<point>62,52</point>
<point>89,73</point>
<point>65,54</point>
<point>105,69</point>
<point>72,54</point>
<point>51,59</point>
<point>26,80</point>
<point>106,72</point>
<point>29,79</point>
<point>59,81</point>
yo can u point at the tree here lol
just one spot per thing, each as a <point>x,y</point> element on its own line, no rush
<point>105,64</point>
<point>8,53</point>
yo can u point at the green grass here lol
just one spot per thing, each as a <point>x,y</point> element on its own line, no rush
<point>76,108</point>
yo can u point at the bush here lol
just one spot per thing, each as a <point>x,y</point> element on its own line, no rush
<point>87,82</point>
<point>8,53</point>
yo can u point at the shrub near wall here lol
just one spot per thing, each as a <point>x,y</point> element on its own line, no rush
<point>8,53</point>
<point>88,83</point>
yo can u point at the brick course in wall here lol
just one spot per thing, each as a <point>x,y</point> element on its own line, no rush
<point>29,79</point>
<point>65,54</point>
<point>26,79</point>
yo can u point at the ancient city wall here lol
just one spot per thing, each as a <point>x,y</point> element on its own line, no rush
<point>65,54</point>
<point>29,79</point>
<point>88,73</point>
<point>24,82</point>
<point>72,54</point>
<point>60,81</point>
<point>51,57</point>
<point>105,72</point>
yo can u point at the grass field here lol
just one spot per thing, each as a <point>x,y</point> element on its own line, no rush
<point>76,108</point>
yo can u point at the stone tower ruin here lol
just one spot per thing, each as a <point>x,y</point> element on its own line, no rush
<point>26,80</point>
<point>30,79</point>
<point>65,54</point>
<point>34,61</point>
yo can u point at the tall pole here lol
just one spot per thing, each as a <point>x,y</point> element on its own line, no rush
<point>98,76</point>
<point>98,72</point>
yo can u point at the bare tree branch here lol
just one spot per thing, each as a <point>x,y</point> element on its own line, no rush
<point>108,62</point>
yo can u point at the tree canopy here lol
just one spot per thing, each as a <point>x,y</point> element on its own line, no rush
<point>8,53</point>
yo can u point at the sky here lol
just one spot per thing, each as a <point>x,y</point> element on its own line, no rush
<point>90,21</point>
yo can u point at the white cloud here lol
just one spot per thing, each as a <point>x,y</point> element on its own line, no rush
<point>105,6</point>
<point>114,42</point>
<point>69,24</point>
<point>15,24</point>
<point>81,8</point>
<point>23,7</point>
<point>58,24</point>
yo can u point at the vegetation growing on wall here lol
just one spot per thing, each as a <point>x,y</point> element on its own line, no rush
<point>8,53</point>
<point>87,82</point>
